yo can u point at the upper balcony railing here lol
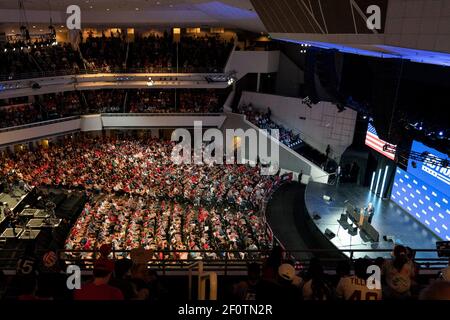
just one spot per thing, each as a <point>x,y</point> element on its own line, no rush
<point>66,72</point>
<point>38,123</point>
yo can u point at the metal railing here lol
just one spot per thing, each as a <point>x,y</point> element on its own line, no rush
<point>223,264</point>
<point>202,278</point>
<point>39,123</point>
<point>162,114</point>
<point>74,72</point>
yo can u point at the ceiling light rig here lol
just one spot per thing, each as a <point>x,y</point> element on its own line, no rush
<point>24,33</point>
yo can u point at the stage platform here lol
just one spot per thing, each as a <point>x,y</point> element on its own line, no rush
<point>388,219</point>
<point>13,199</point>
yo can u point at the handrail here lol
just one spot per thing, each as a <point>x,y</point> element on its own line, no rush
<point>38,124</point>
<point>161,114</point>
<point>224,265</point>
<point>202,278</point>
<point>200,269</point>
<point>69,72</point>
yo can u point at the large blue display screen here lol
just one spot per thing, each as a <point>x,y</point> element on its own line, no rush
<point>435,176</point>
<point>424,202</point>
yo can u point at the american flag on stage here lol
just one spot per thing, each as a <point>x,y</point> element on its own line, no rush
<point>379,145</point>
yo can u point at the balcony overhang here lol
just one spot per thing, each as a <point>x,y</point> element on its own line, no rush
<point>25,87</point>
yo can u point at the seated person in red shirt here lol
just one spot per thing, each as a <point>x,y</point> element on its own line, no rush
<point>98,288</point>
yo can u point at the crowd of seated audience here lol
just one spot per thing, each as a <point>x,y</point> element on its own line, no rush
<point>152,53</point>
<point>149,201</point>
<point>136,166</point>
<point>17,115</point>
<point>103,54</point>
<point>195,101</point>
<point>109,54</point>
<point>46,107</point>
<point>133,222</point>
<point>276,279</point>
<point>142,101</point>
<point>190,101</point>
<point>264,121</point>
<point>209,53</point>
<point>72,103</point>
<point>40,56</point>
<point>104,101</point>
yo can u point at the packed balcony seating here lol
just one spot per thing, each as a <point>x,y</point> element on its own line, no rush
<point>142,101</point>
<point>48,107</point>
<point>109,54</point>
<point>190,101</point>
<point>56,57</point>
<point>104,101</point>
<point>38,57</point>
<point>152,53</point>
<point>71,103</point>
<point>208,53</point>
<point>103,54</point>
<point>16,115</point>
<point>197,101</point>
<point>205,54</point>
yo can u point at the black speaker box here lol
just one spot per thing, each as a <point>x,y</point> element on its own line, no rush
<point>329,234</point>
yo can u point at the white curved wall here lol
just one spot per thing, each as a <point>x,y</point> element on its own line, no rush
<point>92,122</point>
<point>290,161</point>
<point>322,124</point>
<point>98,122</point>
<point>19,135</point>
<point>159,121</point>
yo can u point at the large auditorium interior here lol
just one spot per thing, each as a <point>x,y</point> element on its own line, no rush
<point>240,154</point>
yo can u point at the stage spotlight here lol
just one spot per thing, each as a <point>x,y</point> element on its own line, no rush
<point>150,82</point>
<point>441,133</point>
